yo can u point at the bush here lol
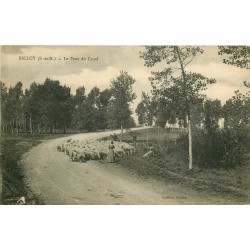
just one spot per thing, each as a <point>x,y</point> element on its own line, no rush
<point>220,148</point>
<point>225,148</point>
<point>207,148</point>
<point>237,146</point>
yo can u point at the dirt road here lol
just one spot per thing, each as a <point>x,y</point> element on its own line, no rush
<point>58,180</point>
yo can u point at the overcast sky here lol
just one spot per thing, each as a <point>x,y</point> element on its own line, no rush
<point>111,60</point>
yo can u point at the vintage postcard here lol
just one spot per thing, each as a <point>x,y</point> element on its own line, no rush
<point>125,125</point>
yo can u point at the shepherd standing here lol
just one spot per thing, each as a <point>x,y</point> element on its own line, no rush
<point>111,156</point>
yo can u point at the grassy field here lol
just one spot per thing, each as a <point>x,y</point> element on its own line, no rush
<point>171,165</point>
<point>13,146</point>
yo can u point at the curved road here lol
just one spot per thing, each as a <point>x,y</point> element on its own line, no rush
<point>58,180</point>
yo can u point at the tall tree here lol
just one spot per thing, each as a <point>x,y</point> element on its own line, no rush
<point>3,102</point>
<point>32,107</point>
<point>105,96</point>
<point>90,113</point>
<point>175,80</point>
<point>236,111</point>
<point>14,105</point>
<point>78,114</point>
<point>144,110</point>
<point>56,104</point>
<point>91,109</point>
<point>80,96</point>
<point>119,111</point>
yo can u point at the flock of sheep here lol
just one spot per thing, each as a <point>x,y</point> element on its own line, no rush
<point>85,150</point>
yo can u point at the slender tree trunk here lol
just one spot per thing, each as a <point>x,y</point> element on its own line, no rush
<point>31,131</point>
<point>189,117</point>
<point>190,153</point>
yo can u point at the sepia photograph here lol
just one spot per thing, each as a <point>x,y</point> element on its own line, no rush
<point>125,125</point>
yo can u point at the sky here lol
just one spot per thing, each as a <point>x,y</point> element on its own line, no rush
<point>97,65</point>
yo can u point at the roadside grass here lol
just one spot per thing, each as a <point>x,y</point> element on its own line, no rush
<point>170,164</point>
<point>12,147</point>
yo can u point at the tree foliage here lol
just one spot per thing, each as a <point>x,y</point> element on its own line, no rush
<point>119,111</point>
<point>238,56</point>
<point>145,110</point>
<point>12,104</point>
<point>237,111</point>
<point>56,104</point>
<point>50,107</point>
<point>175,89</point>
<point>4,98</point>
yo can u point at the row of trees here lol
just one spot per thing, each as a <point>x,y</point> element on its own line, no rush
<point>175,97</point>
<point>50,107</point>
<point>205,113</point>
